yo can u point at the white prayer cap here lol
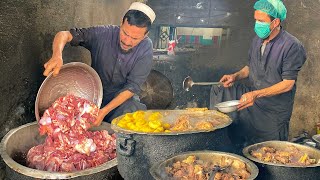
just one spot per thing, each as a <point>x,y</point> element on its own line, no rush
<point>143,8</point>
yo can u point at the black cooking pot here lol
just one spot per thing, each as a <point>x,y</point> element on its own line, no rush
<point>272,171</point>
<point>137,152</point>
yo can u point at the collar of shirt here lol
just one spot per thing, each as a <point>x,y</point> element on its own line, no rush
<point>275,38</point>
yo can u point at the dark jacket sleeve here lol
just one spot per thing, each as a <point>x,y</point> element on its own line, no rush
<point>86,37</point>
<point>293,61</point>
<point>138,75</point>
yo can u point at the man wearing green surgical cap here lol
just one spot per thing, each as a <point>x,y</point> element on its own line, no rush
<point>275,58</point>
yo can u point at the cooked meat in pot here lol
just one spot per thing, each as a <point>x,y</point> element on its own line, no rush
<point>196,169</point>
<point>291,155</point>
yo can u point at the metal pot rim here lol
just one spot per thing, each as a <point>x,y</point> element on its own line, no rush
<point>316,138</point>
<point>118,129</point>
<point>46,174</point>
<point>247,154</point>
<point>253,175</point>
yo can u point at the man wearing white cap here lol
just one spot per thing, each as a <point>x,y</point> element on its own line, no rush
<point>121,55</point>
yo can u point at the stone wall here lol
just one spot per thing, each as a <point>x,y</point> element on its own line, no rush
<point>303,22</point>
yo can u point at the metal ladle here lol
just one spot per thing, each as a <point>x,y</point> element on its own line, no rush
<point>188,83</point>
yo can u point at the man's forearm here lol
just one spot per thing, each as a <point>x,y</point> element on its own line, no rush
<point>243,73</point>
<point>60,40</point>
<point>117,101</point>
<point>279,88</point>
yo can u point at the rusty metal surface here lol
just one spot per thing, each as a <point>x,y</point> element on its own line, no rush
<point>171,116</point>
<point>74,78</point>
<point>21,139</point>
<point>159,173</point>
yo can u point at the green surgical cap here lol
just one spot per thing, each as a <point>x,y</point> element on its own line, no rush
<point>274,8</point>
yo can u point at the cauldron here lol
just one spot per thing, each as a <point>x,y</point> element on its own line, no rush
<point>17,142</point>
<point>137,152</point>
<point>270,171</point>
<point>159,173</point>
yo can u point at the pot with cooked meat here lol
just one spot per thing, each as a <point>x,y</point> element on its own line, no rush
<point>205,165</point>
<point>284,160</point>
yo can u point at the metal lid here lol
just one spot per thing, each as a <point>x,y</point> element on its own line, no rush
<point>74,78</point>
<point>157,91</point>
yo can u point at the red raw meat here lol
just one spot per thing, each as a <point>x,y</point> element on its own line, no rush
<point>69,145</point>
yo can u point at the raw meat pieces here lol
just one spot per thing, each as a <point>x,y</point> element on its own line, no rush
<point>69,145</point>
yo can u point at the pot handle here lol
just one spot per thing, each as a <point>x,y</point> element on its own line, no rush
<point>126,145</point>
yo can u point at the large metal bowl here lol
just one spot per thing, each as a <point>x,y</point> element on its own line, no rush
<point>158,170</point>
<point>17,142</point>
<point>74,78</point>
<point>270,171</point>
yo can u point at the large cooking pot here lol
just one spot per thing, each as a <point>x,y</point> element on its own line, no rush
<point>137,152</point>
<point>17,142</point>
<point>159,173</point>
<point>270,171</point>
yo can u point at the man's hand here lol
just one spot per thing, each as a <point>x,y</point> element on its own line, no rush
<point>54,64</point>
<point>247,100</point>
<point>118,100</point>
<point>228,80</point>
<point>100,117</point>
